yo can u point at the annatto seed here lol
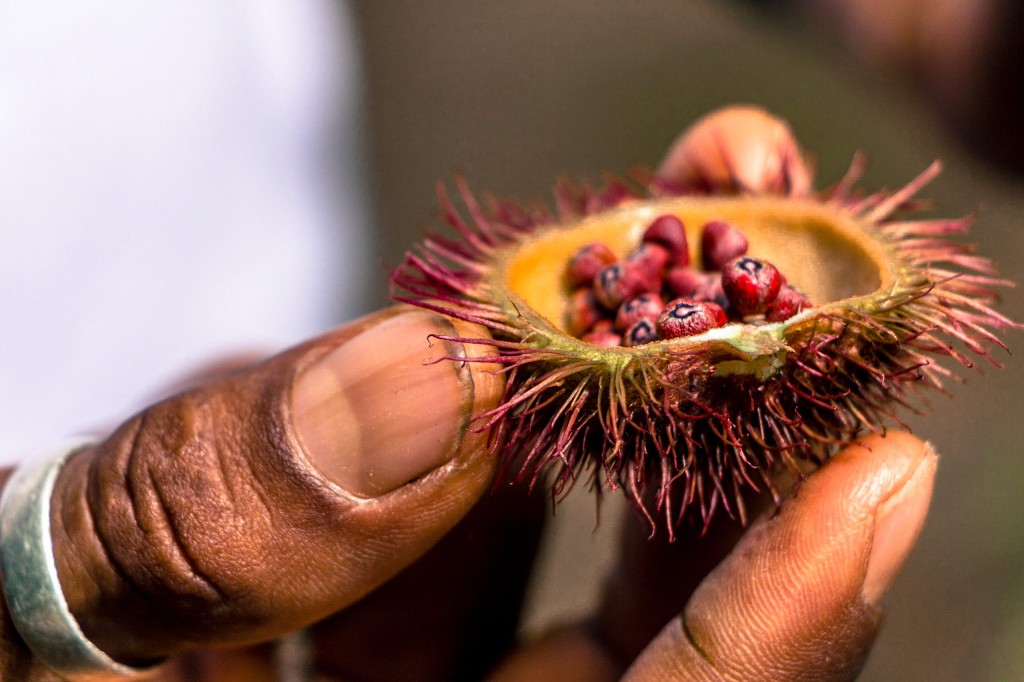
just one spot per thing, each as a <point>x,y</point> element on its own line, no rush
<point>720,242</point>
<point>607,308</point>
<point>583,312</point>
<point>686,317</point>
<point>750,284</point>
<point>685,281</point>
<point>653,258</point>
<point>641,332</point>
<point>646,306</point>
<point>586,262</point>
<point>721,318</point>
<point>713,293</point>
<point>668,231</point>
<point>788,303</point>
<point>615,283</point>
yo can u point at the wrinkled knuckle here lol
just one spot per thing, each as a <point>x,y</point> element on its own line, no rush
<point>167,507</point>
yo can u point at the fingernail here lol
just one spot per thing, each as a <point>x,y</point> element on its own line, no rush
<point>379,410</point>
<point>898,522</point>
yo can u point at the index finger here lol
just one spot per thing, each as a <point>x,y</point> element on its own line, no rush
<point>800,596</point>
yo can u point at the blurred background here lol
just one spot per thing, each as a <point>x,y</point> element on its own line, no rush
<point>514,94</point>
<point>205,175</point>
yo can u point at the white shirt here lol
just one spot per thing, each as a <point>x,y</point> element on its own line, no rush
<point>178,179</point>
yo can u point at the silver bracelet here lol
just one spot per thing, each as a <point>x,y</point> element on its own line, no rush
<point>31,587</point>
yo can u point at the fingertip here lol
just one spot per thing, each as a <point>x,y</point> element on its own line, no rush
<point>801,592</point>
<point>852,486</point>
<point>899,520</point>
<point>488,382</point>
<point>392,403</point>
<point>738,148</point>
<point>898,445</point>
<point>879,491</point>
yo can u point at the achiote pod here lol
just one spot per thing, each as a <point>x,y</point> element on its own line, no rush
<point>685,426</point>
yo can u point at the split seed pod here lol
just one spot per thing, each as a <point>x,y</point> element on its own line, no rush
<point>687,425</point>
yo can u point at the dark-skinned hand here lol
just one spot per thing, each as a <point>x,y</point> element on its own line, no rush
<point>340,485</point>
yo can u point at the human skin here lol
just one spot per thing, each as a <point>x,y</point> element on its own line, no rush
<point>339,483</point>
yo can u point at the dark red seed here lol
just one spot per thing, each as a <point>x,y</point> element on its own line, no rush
<point>687,317</point>
<point>641,332</point>
<point>586,263</point>
<point>653,258</point>
<point>700,286</point>
<point>721,318</point>
<point>720,242</point>
<point>713,292</point>
<point>750,284</point>
<point>646,306</point>
<point>668,231</point>
<point>603,325</point>
<point>583,312</point>
<point>686,282</point>
<point>788,303</point>
<point>607,339</point>
<point>615,283</point>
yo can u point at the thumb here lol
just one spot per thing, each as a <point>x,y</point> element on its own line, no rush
<point>799,597</point>
<point>264,501</point>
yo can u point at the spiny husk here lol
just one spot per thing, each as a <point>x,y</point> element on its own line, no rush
<point>689,425</point>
